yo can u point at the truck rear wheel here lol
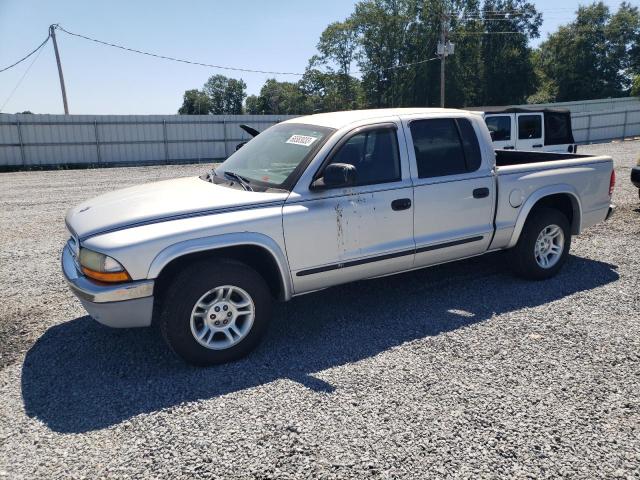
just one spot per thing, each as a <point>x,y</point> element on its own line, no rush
<point>543,246</point>
<point>215,311</point>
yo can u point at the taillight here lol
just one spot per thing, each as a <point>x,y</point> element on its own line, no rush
<point>612,182</point>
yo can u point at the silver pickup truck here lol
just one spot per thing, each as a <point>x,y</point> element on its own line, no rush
<point>318,201</point>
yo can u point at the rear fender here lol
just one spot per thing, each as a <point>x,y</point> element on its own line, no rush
<point>538,195</point>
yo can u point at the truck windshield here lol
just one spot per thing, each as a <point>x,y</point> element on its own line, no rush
<point>271,158</point>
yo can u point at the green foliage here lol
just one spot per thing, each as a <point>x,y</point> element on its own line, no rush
<point>382,55</point>
<point>219,95</point>
<point>277,98</point>
<point>594,56</point>
<point>635,86</point>
<point>508,75</point>
<point>390,34</point>
<point>195,102</point>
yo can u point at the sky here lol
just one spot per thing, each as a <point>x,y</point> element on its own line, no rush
<point>276,35</point>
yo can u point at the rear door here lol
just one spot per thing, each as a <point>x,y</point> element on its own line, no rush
<point>454,190</point>
<point>530,132</point>
<point>502,129</point>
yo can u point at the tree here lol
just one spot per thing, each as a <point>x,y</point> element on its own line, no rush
<point>593,56</point>
<point>338,46</point>
<point>397,40</point>
<point>195,102</point>
<point>635,86</point>
<point>327,91</point>
<point>508,73</point>
<point>252,105</point>
<point>226,94</point>
<point>219,95</point>
<point>278,98</point>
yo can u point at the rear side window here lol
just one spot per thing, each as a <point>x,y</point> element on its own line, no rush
<point>470,144</point>
<point>375,155</point>
<point>444,146</point>
<point>529,126</point>
<point>557,128</point>
<point>500,128</point>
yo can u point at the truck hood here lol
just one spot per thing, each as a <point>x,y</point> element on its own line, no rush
<point>160,201</point>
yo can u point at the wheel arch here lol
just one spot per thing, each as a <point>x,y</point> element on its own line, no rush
<point>256,250</point>
<point>561,197</point>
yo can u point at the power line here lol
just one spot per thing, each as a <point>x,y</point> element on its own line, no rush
<point>404,65</point>
<point>22,78</point>
<point>173,59</point>
<point>237,69</point>
<point>26,56</point>
<point>488,33</point>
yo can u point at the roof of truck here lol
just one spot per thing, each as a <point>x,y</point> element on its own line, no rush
<point>531,109</point>
<point>344,118</point>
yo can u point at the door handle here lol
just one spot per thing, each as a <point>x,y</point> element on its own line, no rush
<point>401,204</point>
<point>481,192</point>
<point>537,145</point>
<point>508,147</point>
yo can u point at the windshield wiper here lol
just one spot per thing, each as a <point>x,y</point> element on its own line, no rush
<point>241,180</point>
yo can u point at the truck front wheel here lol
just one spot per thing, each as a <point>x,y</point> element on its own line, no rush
<point>543,245</point>
<point>215,311</point>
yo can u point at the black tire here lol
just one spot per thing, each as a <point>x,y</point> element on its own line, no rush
<point>189,286</point>
<point>523,254</point>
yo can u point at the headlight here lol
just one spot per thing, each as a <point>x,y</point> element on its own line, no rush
<point>99,266</point>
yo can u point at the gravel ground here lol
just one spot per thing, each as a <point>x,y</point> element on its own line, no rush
<point>455,371</point>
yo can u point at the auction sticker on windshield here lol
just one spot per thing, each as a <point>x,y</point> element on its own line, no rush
<point>304,140</point>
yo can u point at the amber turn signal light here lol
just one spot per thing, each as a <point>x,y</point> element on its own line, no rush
<point>109,277</point>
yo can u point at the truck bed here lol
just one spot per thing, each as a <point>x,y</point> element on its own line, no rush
<point>514,157</point>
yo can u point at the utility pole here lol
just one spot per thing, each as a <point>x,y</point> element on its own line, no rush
<point>443,56</point>
<point>52,32</point>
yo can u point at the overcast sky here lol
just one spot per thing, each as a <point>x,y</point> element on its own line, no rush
<point>278,35</point>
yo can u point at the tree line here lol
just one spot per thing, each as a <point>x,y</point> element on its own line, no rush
<point>382,56</point>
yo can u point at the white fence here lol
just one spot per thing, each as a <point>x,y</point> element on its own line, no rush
<point>51,140</point>
<point>602,104</point>
<point>604,125</point>
<point>45,140</point>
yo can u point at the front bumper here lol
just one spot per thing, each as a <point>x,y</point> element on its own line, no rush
<point>120,305</point>
<point>635,176</point>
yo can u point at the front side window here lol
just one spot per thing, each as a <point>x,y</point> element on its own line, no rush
<point>375,155</point>
<point>500,128</point>
<point>529,127</point>
<point>271,157</point>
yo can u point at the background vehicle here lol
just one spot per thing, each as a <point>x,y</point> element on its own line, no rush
<point>635,176</point>
<point>319,201</point>
<point>251,131</point>
<point>547,129</point>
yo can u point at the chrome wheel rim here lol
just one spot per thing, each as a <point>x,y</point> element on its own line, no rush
<point>549,246</point>
<point>222,317</point>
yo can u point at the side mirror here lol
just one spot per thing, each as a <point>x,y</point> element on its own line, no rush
<point>336,175</point>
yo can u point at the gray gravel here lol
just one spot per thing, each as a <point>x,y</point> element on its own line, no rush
<point>456,371</point>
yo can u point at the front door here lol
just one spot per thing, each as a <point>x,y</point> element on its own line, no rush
<point>339,235</point>
<point>530,133</point>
